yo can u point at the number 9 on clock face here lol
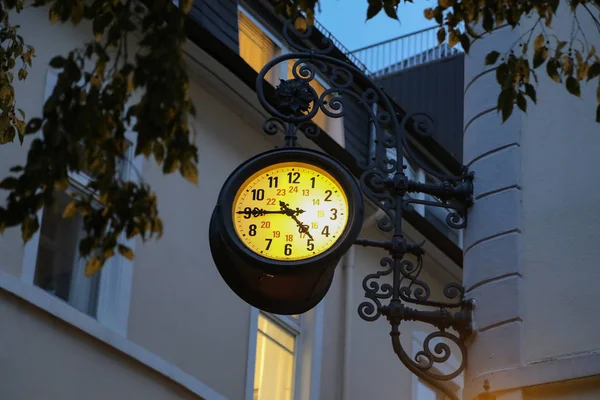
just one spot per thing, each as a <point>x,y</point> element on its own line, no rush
<point>290,211</point>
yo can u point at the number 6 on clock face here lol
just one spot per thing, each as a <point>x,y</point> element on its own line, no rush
<point>290,211</point>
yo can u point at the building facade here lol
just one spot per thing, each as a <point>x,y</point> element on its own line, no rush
<point>165,325</point>
<point>531,254</point>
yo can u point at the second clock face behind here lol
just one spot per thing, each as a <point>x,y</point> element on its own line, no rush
<point>290,211</point>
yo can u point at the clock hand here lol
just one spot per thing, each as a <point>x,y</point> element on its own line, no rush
<point>258,212</point>
<point>302,228</point>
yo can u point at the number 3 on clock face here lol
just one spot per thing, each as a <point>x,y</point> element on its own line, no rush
<point>290,211</point>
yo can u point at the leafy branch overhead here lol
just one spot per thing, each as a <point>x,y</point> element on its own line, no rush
<point>570,60</point>
<point>105,89</point>
<point>119,83</point>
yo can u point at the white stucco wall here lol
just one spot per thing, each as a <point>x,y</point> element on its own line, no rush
<point>530,249</point>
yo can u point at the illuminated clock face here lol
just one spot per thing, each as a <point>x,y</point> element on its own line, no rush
<point>290,211</point>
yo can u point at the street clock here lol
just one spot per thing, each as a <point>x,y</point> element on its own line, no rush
<point>283,221</point>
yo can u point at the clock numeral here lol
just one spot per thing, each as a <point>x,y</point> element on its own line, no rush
<point>281,192</point>
<point>289,238</point>
<point>293,177</point>
<point>273,181</point>
<point>320,213</point>
<point>252,231</point>
<point>310,245</point>
<point>325,231</point>
<point>287,250</point>
<point>271,201</point>
<point>316,202</point>
<point>305,192</point>
<point>258,194</point>
<point>329,193</point>
<point>276,234</point>
<point>293,189</point>
<point>315,225</point>
<point>269,241</point>
<point>302,234</point>
<point>312,182</point>
<point>248,213</point>
<point>265,224</point>
<point>334,212</point>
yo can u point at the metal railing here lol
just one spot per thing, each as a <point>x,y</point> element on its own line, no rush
<point>352,57</point>
<point>406,51</point>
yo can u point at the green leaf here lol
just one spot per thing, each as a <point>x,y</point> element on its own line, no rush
<point>506,103</point>
<point>552,69</point>
<point>85,246</point>
<point>491,58</point>
<point>185,5</point>
<point>465,42</point>
<point>9,183</point>
<point>29,227</point>
<point>374,7</point>
<point>33,126</point>
<point>126,252</point>
<point>189,171</point>
<point>573,86</point>
<point>538,43</point>
<point>441,35</point>
<point>530,91</point>
<point>93,265</point>
<point>58,62</point>
<point>70,210</point>
<point>593,71</point>
<point>488,19</point>
<point>540,56</point>
<point>522,102</point>
<point>390,10</point>
<point>502,74</point>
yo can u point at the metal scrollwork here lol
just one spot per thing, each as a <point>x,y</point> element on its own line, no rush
<point>384,182</point>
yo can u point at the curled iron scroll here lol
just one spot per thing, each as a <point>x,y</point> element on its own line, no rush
<point>426,359</point>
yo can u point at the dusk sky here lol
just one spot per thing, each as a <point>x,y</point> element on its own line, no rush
<point>346,19</point>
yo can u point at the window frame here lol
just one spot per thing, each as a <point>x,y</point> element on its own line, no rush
<point>308,349</point>
<point>116,277</point>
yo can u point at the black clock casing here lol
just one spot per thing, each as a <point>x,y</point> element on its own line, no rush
<point>279,286</point>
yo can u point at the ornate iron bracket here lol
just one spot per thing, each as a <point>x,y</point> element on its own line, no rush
<point>384,182</point>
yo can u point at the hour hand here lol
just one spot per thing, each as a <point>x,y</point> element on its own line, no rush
<point>258,212</point>
<point>285,208</point>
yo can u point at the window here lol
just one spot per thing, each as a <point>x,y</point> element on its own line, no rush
<point>257,47</point>
<point>52,261</point>
<point>284,355</point>
<point>59,270</point>
<point>275,357</point>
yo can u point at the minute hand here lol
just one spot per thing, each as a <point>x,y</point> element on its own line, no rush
<point>301,227</point>
<point>257,212</point>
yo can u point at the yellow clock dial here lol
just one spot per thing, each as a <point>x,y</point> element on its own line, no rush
<point>290,211</point>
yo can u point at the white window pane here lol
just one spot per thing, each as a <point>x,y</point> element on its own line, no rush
<point>274,368</point>
<point>255,46</point>
<point>59,270</point>
<point>279,335</point>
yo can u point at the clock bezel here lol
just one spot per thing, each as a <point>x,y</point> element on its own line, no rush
<point>307,156</point>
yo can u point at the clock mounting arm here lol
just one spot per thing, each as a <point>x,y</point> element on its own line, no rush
<point>385,182</point>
